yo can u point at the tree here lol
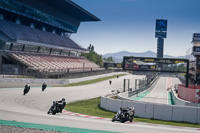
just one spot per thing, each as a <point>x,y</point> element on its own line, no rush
<point>93,56</point>
<point>175,67</point>
<point>109,59</point>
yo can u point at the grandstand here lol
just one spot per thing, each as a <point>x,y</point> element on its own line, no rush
<point>35,37</point>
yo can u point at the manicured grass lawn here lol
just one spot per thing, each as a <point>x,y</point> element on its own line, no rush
<point>91,81</point>
<point>92,107</point>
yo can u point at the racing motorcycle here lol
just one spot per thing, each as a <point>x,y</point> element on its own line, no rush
<point>26,89</point>
<point>124,115</point>
<point>57,107</point>
<point>44,86</point>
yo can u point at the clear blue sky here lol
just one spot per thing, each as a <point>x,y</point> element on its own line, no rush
<point>129,25</point>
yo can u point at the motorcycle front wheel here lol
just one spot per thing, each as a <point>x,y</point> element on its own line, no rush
<point>113,119</point>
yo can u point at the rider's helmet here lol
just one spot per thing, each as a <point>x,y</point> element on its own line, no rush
<point>132,108</point>
<point>63,99</point>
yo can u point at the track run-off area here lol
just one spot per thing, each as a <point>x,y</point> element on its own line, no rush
<point>30,111</point>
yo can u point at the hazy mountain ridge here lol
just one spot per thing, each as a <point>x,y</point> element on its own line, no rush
<point>118,56</point>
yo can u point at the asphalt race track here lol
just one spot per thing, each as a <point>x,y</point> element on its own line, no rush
<point>33,107</point>
<point>159,94</point>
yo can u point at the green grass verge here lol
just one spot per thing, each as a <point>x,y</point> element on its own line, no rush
<point>89,107</point>
<point>92,107</point>
<point>17,76</point>
<point>182,74</point>
<point>91,81</point>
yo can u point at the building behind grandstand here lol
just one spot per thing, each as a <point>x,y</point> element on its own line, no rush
<point>193,54</point>
<point>35,37</point>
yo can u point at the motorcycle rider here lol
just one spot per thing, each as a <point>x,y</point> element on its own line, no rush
<point>131,112</point>
<point>125,114</point>
<point>44,85</point>
<point>61,104</point>
<point>26,88</point>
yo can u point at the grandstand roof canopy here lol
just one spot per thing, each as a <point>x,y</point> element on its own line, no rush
<point>65,6</point>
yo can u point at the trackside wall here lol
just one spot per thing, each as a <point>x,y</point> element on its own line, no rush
<point>188,94</point>
<point>180,102</point>
<point>56,81</point>
<point>154,111</point>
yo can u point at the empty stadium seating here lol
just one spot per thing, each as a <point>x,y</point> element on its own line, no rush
<point>20,32</point>
<point>53,63</point>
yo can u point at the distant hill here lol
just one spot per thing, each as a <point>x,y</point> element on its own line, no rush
<point>118,57</point>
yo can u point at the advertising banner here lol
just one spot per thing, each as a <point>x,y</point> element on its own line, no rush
<point>115,65</point>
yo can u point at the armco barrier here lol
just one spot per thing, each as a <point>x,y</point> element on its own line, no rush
<point>154,111</point>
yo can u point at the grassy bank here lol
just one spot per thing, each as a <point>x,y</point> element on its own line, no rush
<point>92,107</point>
<point>91,81</point>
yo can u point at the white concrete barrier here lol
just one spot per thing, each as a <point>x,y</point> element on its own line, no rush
<point>34,80</point>
<point>198,116</point>
<point>178,113</point>
<point>178,101</point>
<point>113,104</point>
<point>140,107</point>
<point>162,112</point>
<point>181,112</point>
<point>123,96</point>
<point>103,102</point>
<point>190,114</point>
<point>149,109</point>
<point>95,77</point>
<point>154,111</point>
